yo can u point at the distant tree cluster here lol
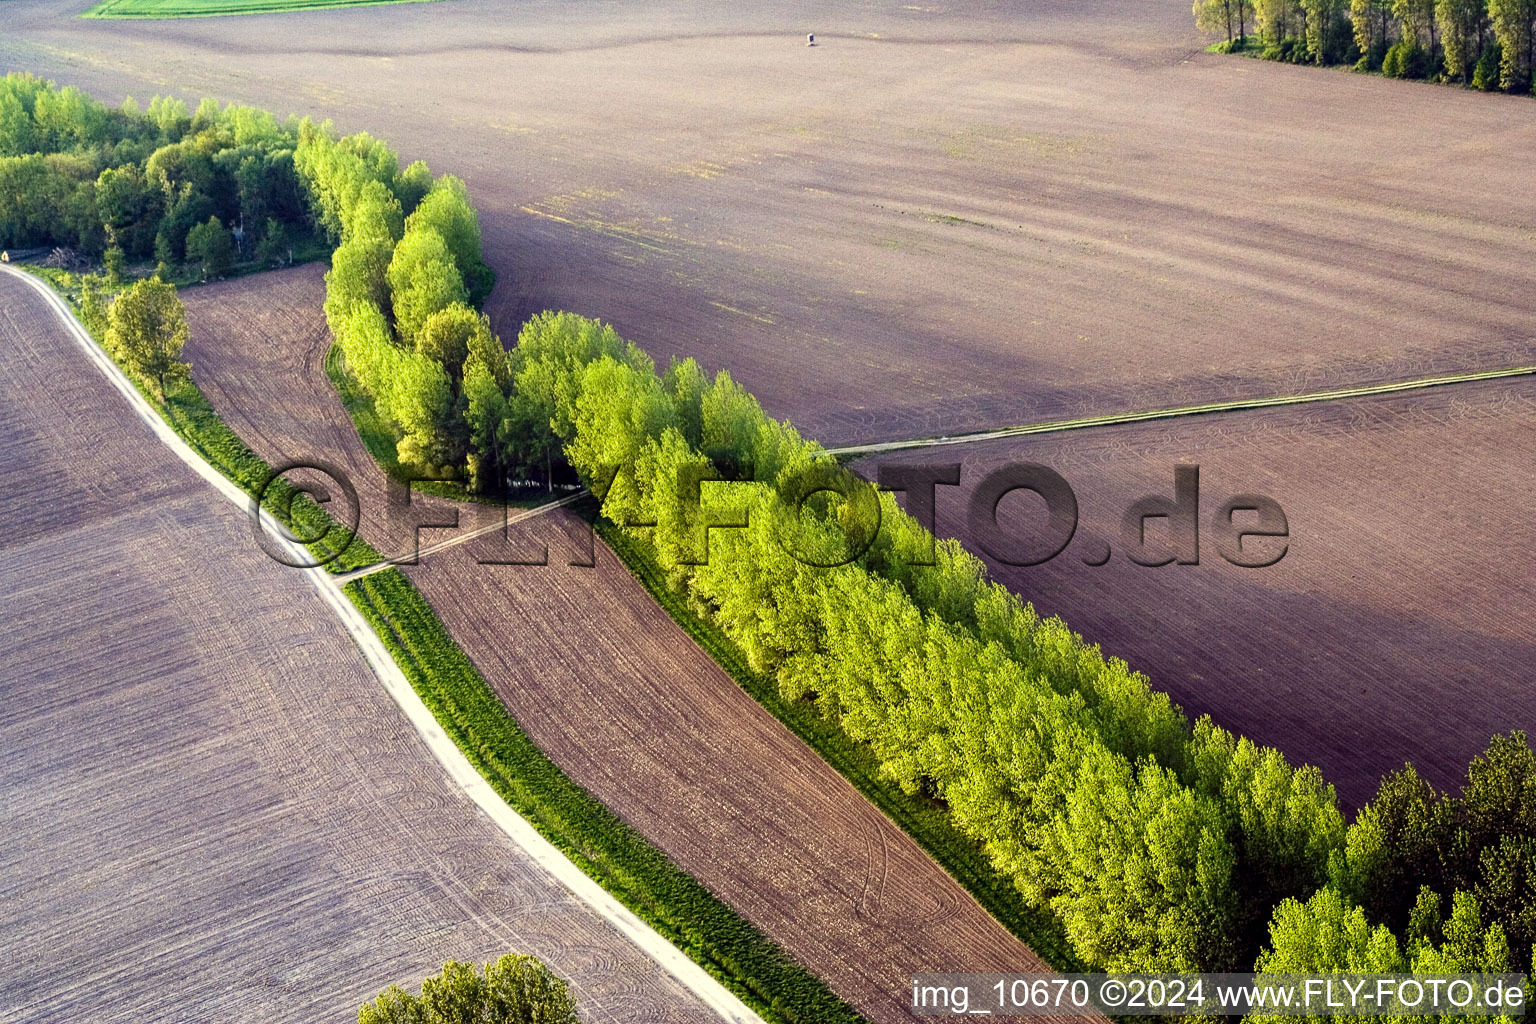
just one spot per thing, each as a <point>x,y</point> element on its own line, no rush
<point>513,990</point>
<point>160,184</point>
<point>1487,44</point>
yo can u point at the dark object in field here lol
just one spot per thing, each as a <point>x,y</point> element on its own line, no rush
<point>810,39</point>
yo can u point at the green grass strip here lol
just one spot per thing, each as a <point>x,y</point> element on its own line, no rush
<point>616,856</point>
<point>140,10</point>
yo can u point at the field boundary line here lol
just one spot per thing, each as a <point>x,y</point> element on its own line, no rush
<point>342,579</point>
<point>541,851</point>
<point>1232,405</point>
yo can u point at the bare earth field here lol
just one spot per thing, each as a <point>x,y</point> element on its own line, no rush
<point>1400,624</point>
<point>213,811</point>
<point>617,695</point>
<point>941,217</point>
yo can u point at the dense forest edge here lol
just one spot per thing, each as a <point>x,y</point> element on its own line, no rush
<point>1489,45</point>
<point>622,861</point>
<point>1155,843</point>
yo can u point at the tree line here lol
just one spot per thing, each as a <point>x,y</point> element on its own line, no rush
<point>204,188</point>
<point>1487,44</point>
<point>1160,845</point>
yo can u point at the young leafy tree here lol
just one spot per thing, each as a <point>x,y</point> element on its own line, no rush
<point>1394,847</point>
<point>1325,934</point>
<point>1287,823</point>
<point>146,329</point>
<point>1514,23</point>
<point>513,990</point>
<point>1278,20</point>
<point>1216,16</point>
<point>1463,34</point>
<point>1417,20</point>
<point>129,207</point>
<point>423,279</point>
<point>446,210</point>
<point>211,246</point>
<point>275,249</point>
<point>1327,29</point>
<point>93,308</point>
<point>485,410</point>
<point>1373,25</point>
<point>115,265</point>
<point>449,334</point>
<point>411,184</point>
<point>1461,945</point>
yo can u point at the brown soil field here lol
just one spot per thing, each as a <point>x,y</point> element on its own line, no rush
<point>213,810</point>
<point>943,216</point>
<point>624,701</point>
<point>1400,623</point>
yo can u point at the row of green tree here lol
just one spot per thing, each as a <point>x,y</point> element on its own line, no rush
<point>1160,846</point>
<point>1488,44</point>
<point>208,187</point>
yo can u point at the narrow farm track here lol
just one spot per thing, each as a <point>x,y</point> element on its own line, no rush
<point>622,699</point>
<point>1208,408</point>
<point>213,808</point>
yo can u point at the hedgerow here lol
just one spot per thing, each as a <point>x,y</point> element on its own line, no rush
<point>1157,844</point>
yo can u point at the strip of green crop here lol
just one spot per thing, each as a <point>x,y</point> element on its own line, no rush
<point>140,10</point>
<point>614,855</point>
<point>926,821</point>
<point>592,836</point>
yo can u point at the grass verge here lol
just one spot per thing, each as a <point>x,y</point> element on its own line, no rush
<point>151,9</point>
<point>614,855</point>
